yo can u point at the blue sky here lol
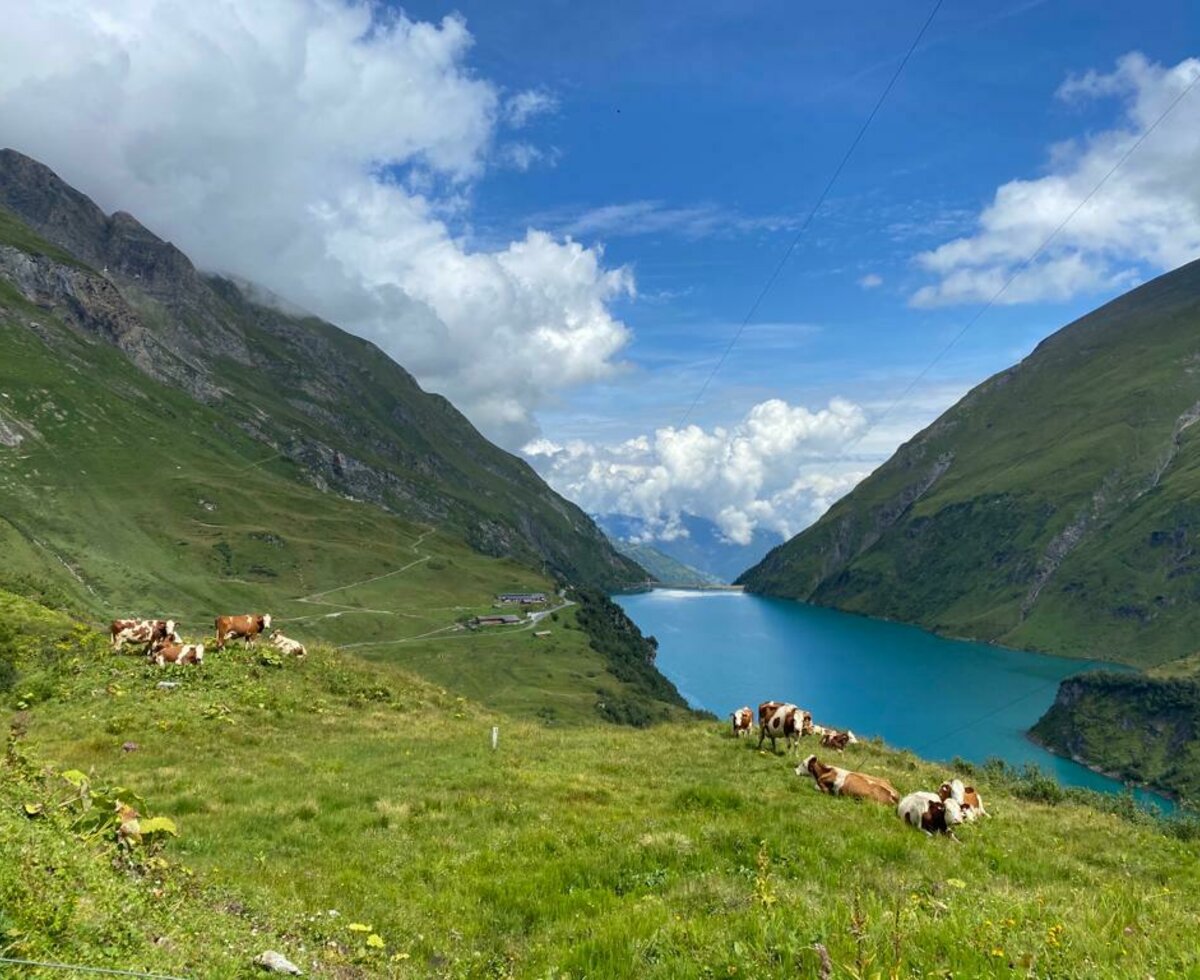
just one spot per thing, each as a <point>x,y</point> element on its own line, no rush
<point>559,214</point>
<point>743,110</point>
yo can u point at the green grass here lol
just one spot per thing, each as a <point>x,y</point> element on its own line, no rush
<point>338,783</point>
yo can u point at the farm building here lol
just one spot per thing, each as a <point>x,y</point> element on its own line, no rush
<point>495,620</point>
<point>524,598</point>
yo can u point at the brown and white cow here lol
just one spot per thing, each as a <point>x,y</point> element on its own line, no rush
<point>285,644</point>
<point>779,719</point>
<point>177,653</point>
<point>845,782</point>
<point>743,720</point>
<point>247,627</point>
<point>146,632</point>
<point>966,797</point>
<point>833,739</point>
<point>931,813</point>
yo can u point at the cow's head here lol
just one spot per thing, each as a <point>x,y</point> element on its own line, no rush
<point>264,621</point>
<point>946,791</point>
<point>809,765</point>
<point>806,723</point>
<point>954,812</point>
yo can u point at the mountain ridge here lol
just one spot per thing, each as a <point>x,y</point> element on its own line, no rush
<point>1051,508</point>
<point>349,418</point>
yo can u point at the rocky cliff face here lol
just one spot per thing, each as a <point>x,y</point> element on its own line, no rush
<point>347,417</point>
<point>1142,729</point>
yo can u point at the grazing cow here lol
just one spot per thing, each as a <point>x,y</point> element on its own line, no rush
<point>930,813</point>
<point>247,627</point>
<point>177,653</point>
<point>844,782</point>
<point>287,645</point>
<point>833,739</point>
<point>742,720</point>
<point>145,632</point>
<point>777,719</point>
<point>966,797</point>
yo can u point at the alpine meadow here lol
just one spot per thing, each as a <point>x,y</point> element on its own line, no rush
<point>375,379</point>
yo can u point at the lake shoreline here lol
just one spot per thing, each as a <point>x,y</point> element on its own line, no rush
<point>938,696</point>
<point>1165,794</point>
<point>953,637</point>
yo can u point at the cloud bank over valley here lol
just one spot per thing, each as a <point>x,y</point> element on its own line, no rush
<point>326,151</point>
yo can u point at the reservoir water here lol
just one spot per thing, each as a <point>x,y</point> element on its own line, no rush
<point>940,698</point>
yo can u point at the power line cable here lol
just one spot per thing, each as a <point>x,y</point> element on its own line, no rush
<point>1029,260</point>
<point>762,294</point>
<point>1071,429</point>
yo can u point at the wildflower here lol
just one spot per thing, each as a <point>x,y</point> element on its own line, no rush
<point>997,951</point>
<point>375,941</point>
<point>359,927</point>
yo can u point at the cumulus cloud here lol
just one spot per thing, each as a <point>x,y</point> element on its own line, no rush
<point>1145,219</point>
<point>321,148</point>
<point>778,468</point>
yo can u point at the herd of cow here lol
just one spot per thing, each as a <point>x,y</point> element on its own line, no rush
<point>159,640</point>
<point>938,812</point>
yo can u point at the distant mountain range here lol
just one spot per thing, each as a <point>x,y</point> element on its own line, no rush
<point>703,548</point>
<point>665,570</point>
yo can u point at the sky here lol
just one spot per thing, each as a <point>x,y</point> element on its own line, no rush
<point>560,214</point>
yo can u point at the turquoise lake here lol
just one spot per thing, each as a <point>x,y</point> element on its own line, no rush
<point>940,698</point>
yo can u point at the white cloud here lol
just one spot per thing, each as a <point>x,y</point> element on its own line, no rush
<point>871,281</point>
<point>648,217</point>
<point>523,106</point>
<point>1145,218</point>
<point>779,468</point>
<point>320,148</point>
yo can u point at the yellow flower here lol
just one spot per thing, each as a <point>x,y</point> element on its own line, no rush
<point>375,941</point>
<point>359,927</point>
<point>997,951</point>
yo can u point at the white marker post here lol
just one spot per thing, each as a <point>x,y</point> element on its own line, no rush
<point>495,736</point>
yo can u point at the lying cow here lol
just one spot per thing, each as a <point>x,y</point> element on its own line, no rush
<point>844,782</point>
<point>287,645</point>
<point>965,796</point>
<point>177,653</point>
<point>743,719</point>
<point>247,627</point>
<point>930,813</point>
<point>778,719</point>
<point>146,632</point>
<point>833,739</point>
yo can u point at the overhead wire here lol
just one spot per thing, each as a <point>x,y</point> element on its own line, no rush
<point>771,279</point>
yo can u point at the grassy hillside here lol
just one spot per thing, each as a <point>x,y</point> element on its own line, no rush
<point>332,800</point>
<point>1143,728</point>
<point>127,497</point>
<point>1054,508</point>
<point>664,569</point>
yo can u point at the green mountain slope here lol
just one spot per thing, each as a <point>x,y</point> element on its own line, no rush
<point>664,569</point>
<point>1056,507</point>
<point>131,485</point>
<point>331,408</point>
